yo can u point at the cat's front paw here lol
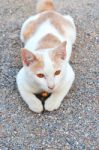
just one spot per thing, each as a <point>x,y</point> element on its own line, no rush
<point>52,105</point>
<point>38,107</point>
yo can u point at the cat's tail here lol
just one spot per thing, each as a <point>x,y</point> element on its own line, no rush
<point>45,5</point>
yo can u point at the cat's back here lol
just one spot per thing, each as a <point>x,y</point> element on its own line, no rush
<point>47,27</point>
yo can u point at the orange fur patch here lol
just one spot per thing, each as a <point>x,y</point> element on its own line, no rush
<point>44,5</point>
<point>48,41</point>
<point>39,64</point>
<point>56,19</point>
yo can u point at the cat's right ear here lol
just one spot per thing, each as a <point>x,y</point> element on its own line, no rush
<point>27,57</point>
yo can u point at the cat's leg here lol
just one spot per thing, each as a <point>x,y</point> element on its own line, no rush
<point>54,101</point>
<point>33,102</point>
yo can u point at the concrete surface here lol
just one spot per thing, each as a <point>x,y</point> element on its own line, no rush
<point>75,126</point>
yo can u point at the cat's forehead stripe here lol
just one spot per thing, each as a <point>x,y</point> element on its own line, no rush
<point>38,65</point>
<point>48,65</point>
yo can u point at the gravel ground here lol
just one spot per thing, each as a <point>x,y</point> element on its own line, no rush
<point>75,125</point>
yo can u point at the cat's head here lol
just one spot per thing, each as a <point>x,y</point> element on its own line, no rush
<point>46,67</point>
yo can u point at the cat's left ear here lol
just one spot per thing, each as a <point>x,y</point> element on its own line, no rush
<point>60,51</point>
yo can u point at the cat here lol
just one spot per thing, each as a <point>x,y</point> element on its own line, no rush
<point>48,38</point>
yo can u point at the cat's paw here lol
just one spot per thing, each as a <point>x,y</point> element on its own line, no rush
<point>52,105</point>
<point>38,107</point>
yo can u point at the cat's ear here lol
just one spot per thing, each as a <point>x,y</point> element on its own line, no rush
<point>27,57</point>
<point>60,51</point>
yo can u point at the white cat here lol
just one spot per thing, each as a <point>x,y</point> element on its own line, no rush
<point>48,38</point>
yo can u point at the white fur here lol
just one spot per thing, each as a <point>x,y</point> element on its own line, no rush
<point>29,84</point>
<point>27,87</point>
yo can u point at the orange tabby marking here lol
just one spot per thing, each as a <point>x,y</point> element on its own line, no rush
<point>48,41</point>
<point>44,5</point>
<point>57,20</point>
<point>37,66</point>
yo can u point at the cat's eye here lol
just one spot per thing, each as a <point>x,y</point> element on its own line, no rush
<point>57,72</point>
<point>40,75</point>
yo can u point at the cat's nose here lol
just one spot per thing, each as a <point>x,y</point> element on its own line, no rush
<point>50,83</point>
